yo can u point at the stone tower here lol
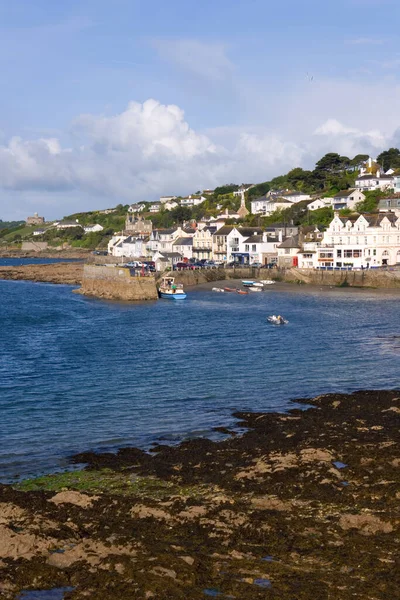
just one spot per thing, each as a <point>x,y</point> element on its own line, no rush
<point>242,212</point>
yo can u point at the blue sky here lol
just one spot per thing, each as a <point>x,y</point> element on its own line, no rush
<point>104,102</point>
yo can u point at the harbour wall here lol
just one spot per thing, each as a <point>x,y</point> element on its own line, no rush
<point>374,278</point>
<point>199,276</point>
<point>116,283</point>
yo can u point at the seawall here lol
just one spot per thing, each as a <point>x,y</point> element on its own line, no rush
<point>116,283</point>
<point>205,275</point>
<point>375,278</point>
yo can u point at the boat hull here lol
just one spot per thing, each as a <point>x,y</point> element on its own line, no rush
<point>177,296</point>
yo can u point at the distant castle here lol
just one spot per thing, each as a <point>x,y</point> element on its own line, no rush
<point>35,220</point>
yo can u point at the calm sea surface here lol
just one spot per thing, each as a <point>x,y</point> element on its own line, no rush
<point>79,374</point>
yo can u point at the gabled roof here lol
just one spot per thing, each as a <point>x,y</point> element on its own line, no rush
<point>254,239</point>
<point>224,230</point>
<point>291,242</point>
<point>249,231</point>
<point>345,193</point>
<point>184,241</point>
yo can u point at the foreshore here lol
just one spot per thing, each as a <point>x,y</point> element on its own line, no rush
<point>69,273</point>
<point>303,505</point>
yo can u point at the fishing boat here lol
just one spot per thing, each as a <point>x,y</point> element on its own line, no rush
<point>171,290</point>
<point>215,289</point>
<point>277,320</point>
<point>242,292</point>
<point>255,288</point>
<point>267,281</point>
<point>247,282</point>
<point>228,289</point>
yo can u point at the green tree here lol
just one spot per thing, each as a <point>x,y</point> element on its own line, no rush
<point>259,190</point>
<point>359,160</point>
<point>329,163</point>
<point>389,159</point>
<point>226,189</point>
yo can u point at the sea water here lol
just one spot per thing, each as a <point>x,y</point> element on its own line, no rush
<point>78,374</point>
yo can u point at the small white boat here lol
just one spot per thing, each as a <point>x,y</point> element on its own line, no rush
<point>267,281</point>
<point>170,290</point>
<point>258,284</point>
<point>277,320</point>
<point>255,288</point>
<point>215,289</point>
<point>247,282</point>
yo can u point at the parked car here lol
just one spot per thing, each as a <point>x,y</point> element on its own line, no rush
<point>183,265</point>
<point>257,265</point>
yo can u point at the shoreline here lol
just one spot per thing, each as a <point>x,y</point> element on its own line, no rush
<point>72,274</point>
<point>277,511</point>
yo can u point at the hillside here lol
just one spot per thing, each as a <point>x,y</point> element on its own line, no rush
<point>331,174</point>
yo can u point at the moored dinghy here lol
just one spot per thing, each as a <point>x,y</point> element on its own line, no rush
<point>277,320</point>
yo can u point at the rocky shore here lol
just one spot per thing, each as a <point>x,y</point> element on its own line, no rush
<point>303,505</point>
<point>66,273</point>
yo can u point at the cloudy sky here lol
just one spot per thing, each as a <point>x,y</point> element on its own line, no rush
<point>108,101</point>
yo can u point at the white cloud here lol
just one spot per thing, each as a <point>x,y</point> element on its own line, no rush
<point>150,149</point>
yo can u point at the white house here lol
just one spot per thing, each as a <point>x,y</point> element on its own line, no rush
<point>155,207</point>
<point>288,252</point>
<point>319,203</point>
<point>93,228</point>
<point>245,187</point>
<point>266,206</point>
<point>191,201</point>
<point>365,241</point>
<point>396,184</point>
<point>128,246</point>
<point>164,199</point>
<point>295,197</point>
<point>347,199</point>
<point>166,259</point>
<point>184,246</point>
<point>170,204</point>
<point>138,207</point>
<point>162,240</point>
<point>370,182</point>
<point>236,241</point>
<point>385,204</point>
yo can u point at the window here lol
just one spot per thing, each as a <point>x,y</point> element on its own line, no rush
<point>357,253</point>
<point>287,250</point>
<point>246,247</point>
<point>339,253</point>
<point>253,248</point>
<point>347,253</point>
<point>366,241</point>
<point>340,240</point>
<point>374,252</point>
